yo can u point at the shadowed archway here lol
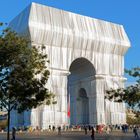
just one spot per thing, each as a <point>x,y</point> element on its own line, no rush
<point>82,72</point>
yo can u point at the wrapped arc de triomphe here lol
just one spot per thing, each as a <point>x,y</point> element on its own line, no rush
<point>86,58</point>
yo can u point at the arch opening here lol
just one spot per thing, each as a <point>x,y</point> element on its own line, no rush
<point>82,72</point>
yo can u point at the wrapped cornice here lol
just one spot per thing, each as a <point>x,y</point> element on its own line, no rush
<point>57,27</point>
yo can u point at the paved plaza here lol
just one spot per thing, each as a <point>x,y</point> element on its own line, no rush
<point>73,135</point>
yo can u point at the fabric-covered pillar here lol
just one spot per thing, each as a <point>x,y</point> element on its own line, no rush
<point>114,112</point>
<point>73,103</point>
<point>92,111</point>
<point>92,103</point>
<point>34,118</point>
<point>100,99</point>
<point>58,86</point>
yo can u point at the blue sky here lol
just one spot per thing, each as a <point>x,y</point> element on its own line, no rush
<point>125,12</point>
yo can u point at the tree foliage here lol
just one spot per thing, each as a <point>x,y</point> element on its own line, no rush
<point>23,73</point>
<point>3,124</point>
<point>130,94</point>
<point>133,120</point>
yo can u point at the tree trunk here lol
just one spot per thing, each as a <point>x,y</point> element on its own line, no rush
<point>8,127</point>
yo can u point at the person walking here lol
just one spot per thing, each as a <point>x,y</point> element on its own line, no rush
<point>53,128</point>
<point>13,134</point>
<point>92,134</point>
<point>107,129</point>
<point>135,131</point>
<point>59,130</point>
<point>85,130</point>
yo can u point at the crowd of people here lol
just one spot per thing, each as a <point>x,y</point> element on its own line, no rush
<point>86,128</point>
<point>98,129</point>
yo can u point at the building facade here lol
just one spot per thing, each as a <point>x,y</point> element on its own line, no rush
<point>86,59</point>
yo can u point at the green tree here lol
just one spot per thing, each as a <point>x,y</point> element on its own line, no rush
<point>23,74</point>
<point>130,94</point>
<point>133,120</point>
